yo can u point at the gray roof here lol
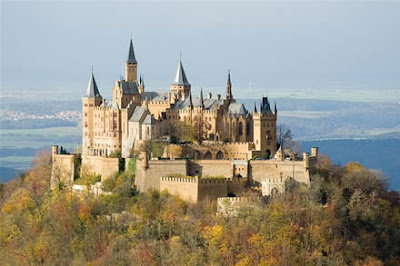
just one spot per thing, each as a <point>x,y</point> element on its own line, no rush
<point>207,103</point>
<point>92,90</point>
<point>149,120</point>
<point>138,114</point>
<point>155,96</point>
<point>237,109</point>
<point>128,87</point>
<point>131,55</point>
<point>265,106</point>
<point>180,76</point>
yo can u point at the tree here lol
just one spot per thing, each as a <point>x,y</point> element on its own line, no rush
<point>283,136</point>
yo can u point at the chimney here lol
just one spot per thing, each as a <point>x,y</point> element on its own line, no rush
<point>219,97</point>
<point>209,95</point>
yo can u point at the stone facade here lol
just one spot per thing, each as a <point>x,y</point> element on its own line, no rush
<point>135,114</point>
<point>223,160</point>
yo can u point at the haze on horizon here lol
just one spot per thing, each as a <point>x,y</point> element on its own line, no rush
<point>314,45</point>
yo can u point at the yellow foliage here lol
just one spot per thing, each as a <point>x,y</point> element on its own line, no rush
<point>354,166</point>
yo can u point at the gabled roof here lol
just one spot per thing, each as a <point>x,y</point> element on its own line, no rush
<point>138,114</point>
<point>92,90</point>
<point>128,87</point>
<point>131,55</point>
<point>155,96</point>
<point>207,103</point>
<point>237,109</point>
<point>149,120</point>
<point>180,76</point>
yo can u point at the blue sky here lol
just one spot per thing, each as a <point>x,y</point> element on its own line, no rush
<point>317,45</point>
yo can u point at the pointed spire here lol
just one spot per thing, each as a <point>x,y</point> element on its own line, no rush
<point>141,81</point>
<point>131,55</point>
<point>201,104</point>
<point>255,107</point>
<point>92,90</point>
<point>229,87</point>
<point>180,76</point>
<point>190,100</point>
<point>275,109</point>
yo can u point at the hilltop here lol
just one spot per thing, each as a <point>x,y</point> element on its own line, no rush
<point>347,216</point>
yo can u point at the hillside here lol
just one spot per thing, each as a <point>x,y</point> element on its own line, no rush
<point>346,217</point>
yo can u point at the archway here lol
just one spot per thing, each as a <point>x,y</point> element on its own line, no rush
<point>274,191</point>
<point>197,155</point>
<point>268,153</point>
<point>208,156</point>
<point>220,155</point>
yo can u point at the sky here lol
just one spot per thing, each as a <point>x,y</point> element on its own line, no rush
<point>269,45</point>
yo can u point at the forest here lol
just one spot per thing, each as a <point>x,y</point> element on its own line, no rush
<point>347,216</point>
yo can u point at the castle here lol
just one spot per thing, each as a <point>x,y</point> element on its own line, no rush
<point>227,138</point>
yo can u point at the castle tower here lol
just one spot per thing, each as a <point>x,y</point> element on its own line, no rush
<point>229,96</point>
<point>131,65</point>
<point>264,129</point>
<point>141,85</point>
<point>181,85</point>
<point>91,99</point>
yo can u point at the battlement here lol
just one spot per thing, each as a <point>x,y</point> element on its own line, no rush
<point>208,181</point>
<point>183,179</point>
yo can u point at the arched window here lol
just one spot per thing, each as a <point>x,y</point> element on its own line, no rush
<point>208,156</point>
<point>240,128</point>
<point>197,155</point>
<point>248,129</point>
<point>220,155</point>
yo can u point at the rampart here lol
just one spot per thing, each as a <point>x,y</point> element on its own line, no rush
<point>194,189</point>
<point>65,168</point>
<point>103,166</point>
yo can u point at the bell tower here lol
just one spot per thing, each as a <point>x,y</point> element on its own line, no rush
<point>131,65</point>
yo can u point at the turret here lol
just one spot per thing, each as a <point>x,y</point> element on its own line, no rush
<point>181,85</point>
<point>131,65</point>
<point>90,100</point>
<point>141,84</point>
<point>229,96</point>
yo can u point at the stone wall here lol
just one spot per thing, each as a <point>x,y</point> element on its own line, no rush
<point>148,177</point>
<point>184,187</point>
<point>236,186</point>
<point>210,168</point>
<point>65,169</point>
<point>103,166</point>
<point>212,189</point>
<point>265,169</point>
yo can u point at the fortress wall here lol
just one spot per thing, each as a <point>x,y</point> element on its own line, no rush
<point>265,169</point>
<point>210,168</point>
<point>184,187</point>
<point>149,177</point>
<point>64,169</point>
<point>237,185</point>
<point>212,189</point>
<point>103,166</point>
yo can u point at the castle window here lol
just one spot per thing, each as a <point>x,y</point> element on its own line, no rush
<point>248,129</point>
<point>240,128</point>
<point>85,113</point>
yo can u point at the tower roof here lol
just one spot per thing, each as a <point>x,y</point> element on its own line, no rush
<point>92,90</point>
<point>180,76</point>
<point>201,100</point>
<point>229,83</point>
<point>131,55</point>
